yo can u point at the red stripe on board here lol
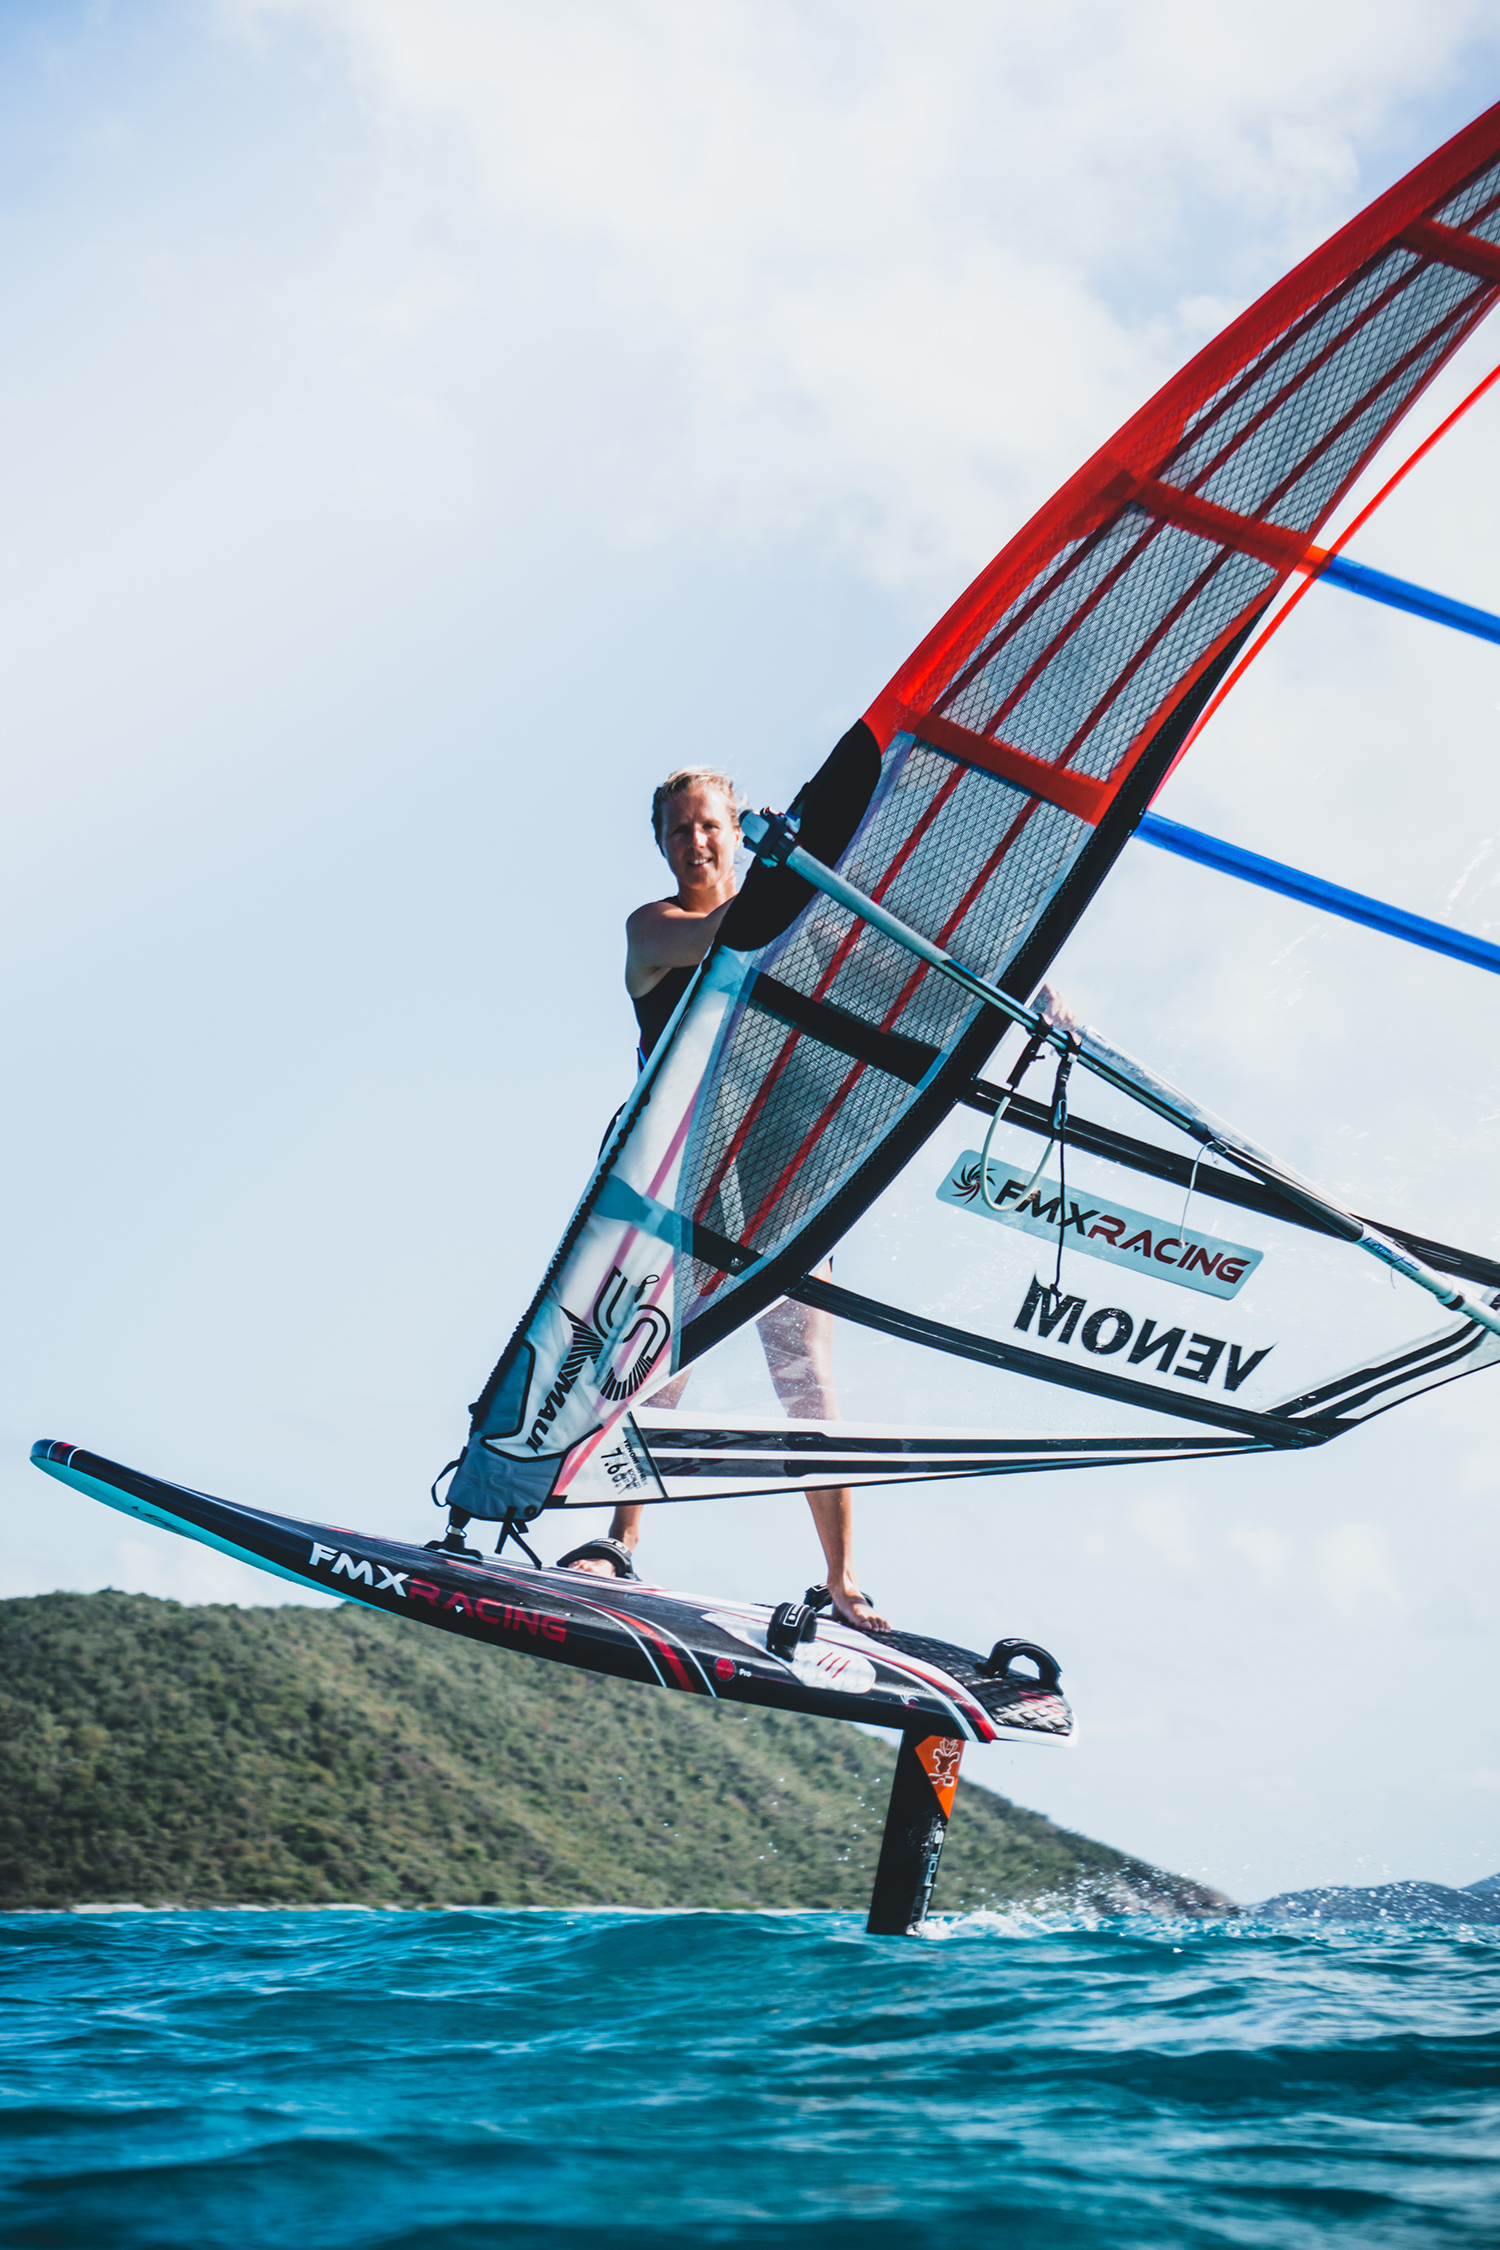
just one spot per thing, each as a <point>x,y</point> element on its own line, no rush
<point>649,1632</point>
<point>1451,246</point>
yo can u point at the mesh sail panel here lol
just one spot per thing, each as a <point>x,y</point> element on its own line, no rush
<point>1476,207</point>
<point>783,1119</point>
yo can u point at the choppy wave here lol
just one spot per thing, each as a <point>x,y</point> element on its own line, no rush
<point>487,2078</point>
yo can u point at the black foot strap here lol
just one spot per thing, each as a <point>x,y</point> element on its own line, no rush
<point>818,1598</point>
<point>791,1623</point>
<point>612,1551</point>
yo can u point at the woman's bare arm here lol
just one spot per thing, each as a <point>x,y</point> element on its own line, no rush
<point>665,936</point>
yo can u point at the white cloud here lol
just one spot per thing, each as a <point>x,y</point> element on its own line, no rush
<point>1356,1572</point>
<point>1268,1551</point>
<point>1167,1523</point>
<point>837,234</point>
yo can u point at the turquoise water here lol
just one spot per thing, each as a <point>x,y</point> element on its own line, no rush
<point>548,2081</point>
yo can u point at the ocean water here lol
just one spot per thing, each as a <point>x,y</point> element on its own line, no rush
<point>545,2081</point>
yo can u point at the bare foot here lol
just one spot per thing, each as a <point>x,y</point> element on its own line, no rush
<point>596,1566</point>
<point>851,1608</point>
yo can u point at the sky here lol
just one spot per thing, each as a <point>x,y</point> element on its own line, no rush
<point>422,424</point>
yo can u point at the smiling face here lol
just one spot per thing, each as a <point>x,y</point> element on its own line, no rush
<point>701,831</point>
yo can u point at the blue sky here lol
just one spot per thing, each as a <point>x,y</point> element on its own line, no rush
<point>422,425</point>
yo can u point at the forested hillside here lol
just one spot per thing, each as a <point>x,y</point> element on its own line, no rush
<point>161,1754</point>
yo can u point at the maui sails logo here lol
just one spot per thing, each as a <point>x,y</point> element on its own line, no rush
<point>1104,1230</point>
<point>622,1337</point>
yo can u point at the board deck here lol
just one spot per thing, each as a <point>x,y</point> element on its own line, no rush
<point>695,1644</point>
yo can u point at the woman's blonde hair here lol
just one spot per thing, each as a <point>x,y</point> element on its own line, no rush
<point>685,777</point>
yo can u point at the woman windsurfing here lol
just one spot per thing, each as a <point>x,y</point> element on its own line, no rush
<point>695,819</point>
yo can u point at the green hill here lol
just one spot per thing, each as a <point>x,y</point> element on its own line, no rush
<point>166,1755</point>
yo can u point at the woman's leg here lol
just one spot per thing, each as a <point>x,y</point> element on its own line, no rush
<point>798,1344</point>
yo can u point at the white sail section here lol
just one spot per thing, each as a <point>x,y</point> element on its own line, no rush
<point>1127,1303</point>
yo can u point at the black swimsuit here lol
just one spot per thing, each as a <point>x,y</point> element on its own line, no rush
<point>654,1009</point>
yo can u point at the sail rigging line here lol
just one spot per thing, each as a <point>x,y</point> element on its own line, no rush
<point>1060,1141</point>
<point>1327,555</point>
<point>1314,890</point>
<point>775,841</point>
<point>1187,1201</point>
<point>1225,1187</point>
<point>1024,1061</point>
<point>1058,1097</point>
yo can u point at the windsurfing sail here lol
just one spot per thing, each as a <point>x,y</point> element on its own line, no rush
<point>981,800</point>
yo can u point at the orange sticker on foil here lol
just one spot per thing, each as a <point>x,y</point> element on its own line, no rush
<point>939,1755</point>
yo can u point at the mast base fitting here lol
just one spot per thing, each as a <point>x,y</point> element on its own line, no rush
<point>453,1543</point>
